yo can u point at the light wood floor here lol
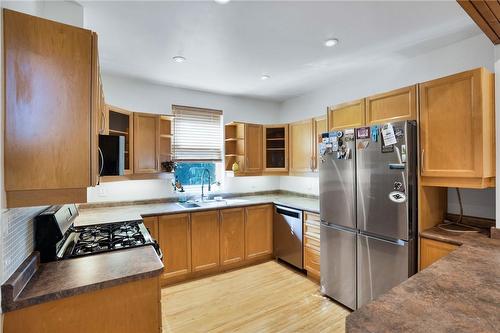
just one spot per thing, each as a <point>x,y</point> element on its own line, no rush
<point>264,298</point>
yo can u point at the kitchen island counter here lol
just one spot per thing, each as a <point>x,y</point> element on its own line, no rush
<point>34,283</point>
<point>458,293</point>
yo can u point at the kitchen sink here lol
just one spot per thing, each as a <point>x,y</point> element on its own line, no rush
<point>188,204</point>
<point>210,203</point>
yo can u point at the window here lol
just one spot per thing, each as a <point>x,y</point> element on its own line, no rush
<point>190,173</point>
<point>197,134</point>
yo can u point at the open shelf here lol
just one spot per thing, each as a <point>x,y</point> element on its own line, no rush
<point>234,145</point>
<point>275,148</point>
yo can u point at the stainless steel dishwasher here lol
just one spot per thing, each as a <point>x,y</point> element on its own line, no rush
<point>287,234</point>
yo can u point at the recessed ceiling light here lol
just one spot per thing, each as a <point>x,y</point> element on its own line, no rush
<point>222,2</point>
<point>331,42</point>
<point>179,59</point>
<point>265,77</point>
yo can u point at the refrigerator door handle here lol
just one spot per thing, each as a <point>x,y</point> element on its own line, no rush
<point>398,242</point>
<point>337,227</point>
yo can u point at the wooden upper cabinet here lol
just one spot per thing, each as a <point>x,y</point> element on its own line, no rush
<point>396,105</point>
<point>205,240</point>
<point>275,148</point>
<point>120,122</point>
<point>174,237</point>
<point>320,127</point>
<point>457,136</point>
<point>146,142</point>
<point>258,231</point>
<point>346,115</point>
<point>253,149</point>
<point>48,111</point>
<point>301,146</point>
<point>232,236</point>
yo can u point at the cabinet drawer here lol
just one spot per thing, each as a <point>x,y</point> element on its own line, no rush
<point>312,218</point>
<point>312,230</point>
<point>312,261</point>
<point>312,243</point>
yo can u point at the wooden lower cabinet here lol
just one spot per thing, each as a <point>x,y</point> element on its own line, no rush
<point>175,243</point>
<point>232,236</point>
<point>432,250</point>
<point>312,244</point>
<point>127,308</point>
<point>151,224</point>
<point>208,242</point>
<point>205,240</point>
<point>258,231</point>
<point>312,262</point>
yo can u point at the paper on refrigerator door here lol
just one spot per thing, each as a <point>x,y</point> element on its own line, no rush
<point>388,135</point>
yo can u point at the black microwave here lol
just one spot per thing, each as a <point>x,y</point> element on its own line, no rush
<point>112,155</point>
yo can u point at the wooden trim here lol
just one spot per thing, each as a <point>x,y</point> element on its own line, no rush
<point>46,197</point>
<point>94,104</point>
<point>479,183</point>
<point>486,15</point>
<point>192,108</point>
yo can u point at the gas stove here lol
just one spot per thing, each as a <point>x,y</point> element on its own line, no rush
<point>57,238</point>
<point>82,241</point>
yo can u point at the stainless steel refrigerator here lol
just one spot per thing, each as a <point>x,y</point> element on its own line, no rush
<point>368,211</point>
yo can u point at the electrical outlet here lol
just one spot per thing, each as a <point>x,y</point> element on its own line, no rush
<point>101,190</point>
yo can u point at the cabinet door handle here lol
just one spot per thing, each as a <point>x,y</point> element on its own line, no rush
<point>422,161</point>
<point>103,123</point>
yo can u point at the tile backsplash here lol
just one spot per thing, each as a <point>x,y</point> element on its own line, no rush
<point>17,232</point>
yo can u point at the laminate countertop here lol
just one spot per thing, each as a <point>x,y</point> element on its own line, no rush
<point>35,283</point>
<point>117,213</point>
<point>458,293</point>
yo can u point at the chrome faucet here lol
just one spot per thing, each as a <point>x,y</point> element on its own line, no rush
<point>203,182</point>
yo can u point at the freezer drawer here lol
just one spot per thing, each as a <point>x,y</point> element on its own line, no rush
<point>338,264</point>
<point>381,265</point>
<point>337,181</point>
<point>287,234</point>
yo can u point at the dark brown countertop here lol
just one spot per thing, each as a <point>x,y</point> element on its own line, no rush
<point>458,293</point>
<point>35,283</point>
<point>117,212</point>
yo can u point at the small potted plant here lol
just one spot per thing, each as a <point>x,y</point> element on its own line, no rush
<point>168,166</point>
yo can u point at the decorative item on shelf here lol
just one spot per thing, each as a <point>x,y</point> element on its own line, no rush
<point>181,194</point>
<point>236,166</point>
<point>168,166</point>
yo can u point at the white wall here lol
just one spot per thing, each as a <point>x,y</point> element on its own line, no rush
<point>142,96</point>
<point>473,52</point>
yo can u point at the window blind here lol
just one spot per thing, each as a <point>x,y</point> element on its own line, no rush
<point>197,134</point>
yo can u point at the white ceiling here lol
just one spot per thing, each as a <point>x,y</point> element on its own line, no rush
<point>228,47</point>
